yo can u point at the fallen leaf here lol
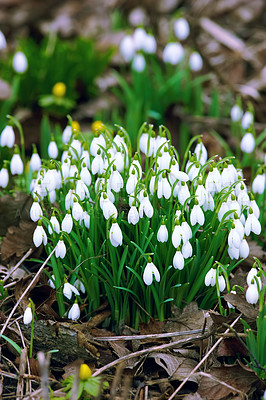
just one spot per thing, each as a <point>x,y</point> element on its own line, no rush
<point>239,301</point>
<point>231,347</point>
<point>14,209</point>
<point>121,350</point>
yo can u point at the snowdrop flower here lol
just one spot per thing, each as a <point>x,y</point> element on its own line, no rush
<point>247,143</point>
<point>85,175</point>
<point>60,249</point>
<point>223,210</point>
<point>244,249</point>
<point>187,249</point>
<point>186,229</point>
<point>77,211</point>
<point>75,149</point>
<point>127,48</point>
<point>52,149</point>
<point>150,271</point>
<point>192,169</point>
<point>173,53</point>
<point>178,260</point>
<point>86,219</point>
<point>258,185</point>
<point>16,164</point>
<point>4,177</point>
<point>68,289</point>
<point>74,312</point>
<point>7,137</point>
<point>69,199</point>
<point>201,193</point>
<point>149,45</point>
<point>79,285</point>
<point>82,190</point>
<point>139,38</point>
<point>164,159</point>
<point>210,277</point>
<point>195,61</point>
<point>96,142</point>
<point>55,225</point>
<point>27,316</point>
<point>239,226</point>
<point>179,234</point>
<point>247,120</point>
<point>147,144</point>
<point>236,113</point>
<point>233,204</point>
<point>164,188</point>
<point>221,283</point>
<point>233,252</point>
<point>243,198</point>
<point>197,215</point>
<point>201,153</point>
<point>252,293</point>
<point>97,164</point>
<point>213,180</point>
<point>85,157</point>
<point>233,237</point>
<point>20,63</point>
<point>182,192</point>
<point>162,234</point>
<point>229,304</point>
<point>108,208</point>
<point>2,41</point>
<point>67,223</point>
<point>181,28</point>
<point>66,135</point>
<point>138,63</point>
<point>227,178</point>
<point>254,206</point>
<point>35,211</point>
<point>116,181</point>
<point>145,207</point>
<point>35,161</point>
<point>39,235</point>
<point>131,182</point>
<point>133,215</point>
<point>252,224</point>
<point>49,181</point>
<point>115,235</point>
<point>209,204</point>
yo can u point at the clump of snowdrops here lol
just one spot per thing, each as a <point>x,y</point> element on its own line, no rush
<point>142,230</point>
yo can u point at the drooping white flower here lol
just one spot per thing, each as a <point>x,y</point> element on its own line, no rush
<point>252,294</point>
<point>52,149</point>
<point>201,194</point>
<point>195,61</point>
<point>213,181</point>
<point>164,188</point>
<point>85,175</point>
<point>149,45</point>
<point>209,204</point>
<point>96,145</point>
<point>20,62</point>
<point>55,225</point>
<point>233,204</point>
<point>150,271</point>
<point>223,210</point>
<point>35,162</point>
<point>147,144</point>
<point>145,207</point>
<point>182,192</point>
<point>66,135</point>
<point>60,249</point>
<point>67,223</point>
<point>250,276</point>
<point>86,219</point>
<point>254,206</point>
<point>133,215</point>
<point>210,277</point>
<point>4,177</point>
<point>258,185</point>
<point>80,286</point>
<point>139,38</point>
<point>178,235</point>
<point>68,289</point>
<point>82,190</point>
<point>252,224</point>
<point>109,209</point>
<point>181,28</point>
<point>173,53</point>
<point>244,249</point>
<point>127,48</point>
<point>74,312</point>
<point>247,120</point>
<point>138,63</point>
<point>187,249</point>
<point>229,304</point>
<point>7,137</point>
<point>131,182</point>
<point>236,113</point>
<point>97,164</point>
<point>77,211</point>
<point>116,181</point>
<point>234,238</point>
<point>2,41</point>
<point>35,211</point>
<point>178,260</point>
<point>162,234</point>
<point>233,252</point>
<point>27,316</point>
<point>201,153</point>
<point>164,159</point>
<point>247,143</point>
<point>197,215</point>
<point>16,164</point>
<point>115,235</point>
<point>75,149</point>
<point>39,236</point>
<point>221,283</point>
<point>186,230</point>
<point>227,178</point>
<point>243,197</point>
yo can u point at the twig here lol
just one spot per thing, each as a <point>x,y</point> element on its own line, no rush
<point>44,363</point>
<point>150,336</point>
<point>149,350</point>
<point>12,270</point>
<point>26,291</point>
<point>24,345</point>
<point>203,360</point>
<point>116,380</point>
<point>22,369</point>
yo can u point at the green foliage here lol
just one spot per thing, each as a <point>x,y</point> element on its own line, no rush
<point>86,389</point>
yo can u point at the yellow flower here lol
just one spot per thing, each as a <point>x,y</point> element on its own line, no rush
<point>75,126</point>
<point>97,126</point>
<point>84,372</point>
<point>59,89</point>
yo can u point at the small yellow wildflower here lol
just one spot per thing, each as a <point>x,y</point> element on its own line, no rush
<point>97,126</point>
<point>84,372</point>
<point>59,89</point>
<point>75,126</point>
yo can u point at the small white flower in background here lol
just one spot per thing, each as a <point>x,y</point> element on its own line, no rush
<point>75,149</point>
<point>247,143</point>
<point>258,185</point>
<point>55,225</point>
<point>181,28</point>
<point>27,317</point>
<point>68,289</point>
<point>52,149</point>
<point>80,286</point>
<point>35,161</point>
<point>229,304</point>
<point>187,249</point>
<point>244,249</point>
<point>178,260</point>
<point>67,223</point>
<point>150,271</point>
<point>77,210</point>
<point>74,312</point>
<point>133,215</point>
<point>173,53</point>
<point>115,235</point>
<point>162,234</point>
<point>149,45</point>
<point>60,250</point>
<point>127,48</point>
<point>252,224</point>
<point>221,283</point>
<point>4,177</point>
<point>20,63</point>
<point>67,133</point>
<point>210,277</point>
<point>2,41</point>
<point>247,120</point>
<point>7,137</point>
<point>195,61</point>
<point>51,282</point>
<point>35,211</point>
<point>197,215</point>
<point>252,293</point>
<point>138,63</point>
<point>16,164</point>
<point>139,38</point>
<point>39,236</point>
<point>201,153</point>
<point>236,113</point>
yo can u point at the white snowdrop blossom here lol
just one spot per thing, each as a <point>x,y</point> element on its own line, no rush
<point>197,215</point>
<point>247,120</point>
<point>74,312</point>
<point>164,188</point>
<point>149,45</point>
<point>86,219</point>
<point>20,62</point>
<point>254,206</point>
<point>66,135</point>
<point>178,235</point>
<point>145,208</point>
<point>252,224</point>
<point>244,249</point>
<point>55,226</point>
<point>221,283</point>
<point>187,249</point>
<point>115,235</point>
<point>77,211</point>
<point>108,208</point>
<point>150,272</point>
<point>2,41</point>
<point>35,211</point>
<point>236,113</point>
<point>75,149</point>
<point>147,144</point>
<point>201,153</point>
<point>181,28</point>
<point>97,164</point>
<point>133,215</point>
<point>127,48</point>
<point>178,260</point>
<point>247,143</point>
<point>173,53</point>
<point>68,289</point>
<point>7,137</point>
<point>39,236</point>
<point>223,210</point>
<point>96,144</point>
<point>4,177</point>
<point>252,294</point>
<point>27,316</point>
<point>213,181</point>
<point>60,249</point>
<point>35,162</point>
<point>116,181</point>
<point>52,149</point>
<point>258,185</point>
<point>210,277</point>
<point>250,276</point>
<point>162,234</point>
<point>195,61</point>
<point>85,175</point>
<point>16,164</point>
<point>234,238</point>
<point>67,223</point>
<point>138,63</point>
<point>80,286</point>
<point>182,192</point>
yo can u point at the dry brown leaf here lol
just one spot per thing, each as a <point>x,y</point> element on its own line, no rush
<point>239,301</point>
<point>193,396</point>
<point>121,350</point>
<point>230,347</point>
<point>13,209</point>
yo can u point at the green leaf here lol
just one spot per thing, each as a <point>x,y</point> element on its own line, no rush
<point>10,341</point>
